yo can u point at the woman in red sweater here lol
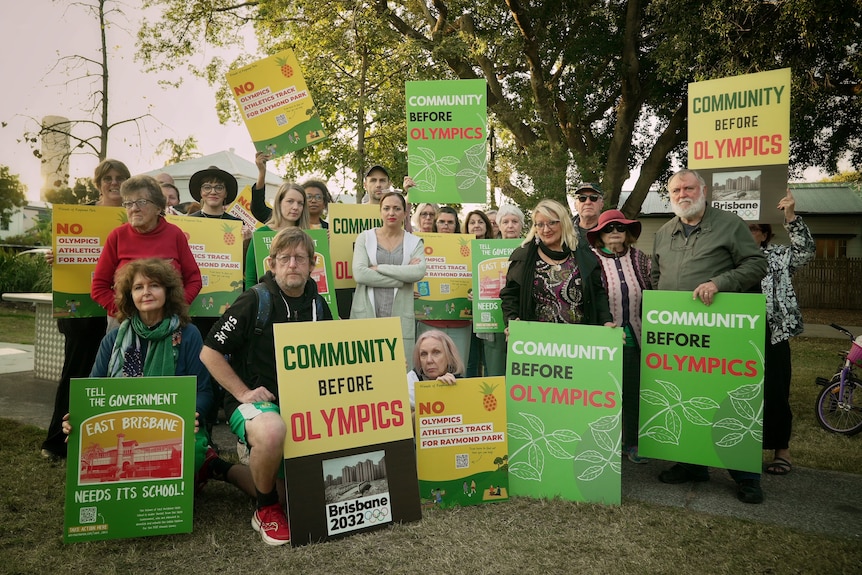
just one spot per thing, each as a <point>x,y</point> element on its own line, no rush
<point>145,235</point>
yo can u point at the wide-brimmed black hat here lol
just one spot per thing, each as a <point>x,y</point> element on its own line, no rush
<point>198,178</point>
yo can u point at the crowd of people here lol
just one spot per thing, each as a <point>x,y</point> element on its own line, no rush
<point>580,268</point>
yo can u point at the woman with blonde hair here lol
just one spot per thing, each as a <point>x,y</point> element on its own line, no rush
<point>551,277</point>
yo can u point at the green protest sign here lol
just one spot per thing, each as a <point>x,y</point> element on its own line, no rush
<point>447,125</point>
<point>702,379</point>
<point>321,273</point>
<point>564,385</point>
<point>490,263</point>
<point>130,466</point>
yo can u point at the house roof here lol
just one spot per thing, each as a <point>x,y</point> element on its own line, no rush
<point>818,198</point>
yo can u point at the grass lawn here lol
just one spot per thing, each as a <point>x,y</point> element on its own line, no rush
<point>522,536</point>
<point>18,323</point>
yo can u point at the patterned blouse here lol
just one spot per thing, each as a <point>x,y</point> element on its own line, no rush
<point>557,292</point>
<point>782,307</point>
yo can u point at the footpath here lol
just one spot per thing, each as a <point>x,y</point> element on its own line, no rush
<point>809,500</point>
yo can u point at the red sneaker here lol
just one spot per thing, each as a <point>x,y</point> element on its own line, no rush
<point>272,525</point>
<point>205,472</point>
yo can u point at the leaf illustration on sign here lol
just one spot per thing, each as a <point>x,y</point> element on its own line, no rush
<point>750,420</point>
<point>426,178</point>
<point>532,468</point>
<point>691,410</point>
<point>606,433</point>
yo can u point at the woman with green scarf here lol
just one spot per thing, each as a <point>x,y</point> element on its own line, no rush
<point>156,338</point>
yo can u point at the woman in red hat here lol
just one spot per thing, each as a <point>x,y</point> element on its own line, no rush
<point>625,275</point>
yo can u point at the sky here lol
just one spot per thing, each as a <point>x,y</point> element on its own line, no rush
<point>37,32</point>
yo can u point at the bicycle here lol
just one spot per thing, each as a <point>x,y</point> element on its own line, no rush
<point>839,404</point>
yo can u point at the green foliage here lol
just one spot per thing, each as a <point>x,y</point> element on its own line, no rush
<point>38,235</point>
<point>578,90</point>
<point>24,274</point>
<point>179,150</point>
<point>84,192</point>
<point>12,195</point>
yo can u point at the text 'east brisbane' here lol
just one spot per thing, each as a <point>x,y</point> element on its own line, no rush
<point>330,354</point>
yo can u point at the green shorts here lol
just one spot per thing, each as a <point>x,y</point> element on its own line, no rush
<point>247,412</point>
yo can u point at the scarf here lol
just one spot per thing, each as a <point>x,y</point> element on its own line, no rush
<point>161,350</point>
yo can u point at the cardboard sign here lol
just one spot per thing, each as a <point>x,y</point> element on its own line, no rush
<point>447,129</point>
<point>445,289</point>
<point>130,466</point>
<point>490,264</point>
<point>322,272</point>
<point>79,237</point>
<point>564,387</point>
<point>217,248</point>
<point>461,442</point>
<point>349,460</point>
<point>346,221</point>
<point>276,105</point>
<point>702,379</point>
<point>739,141</point>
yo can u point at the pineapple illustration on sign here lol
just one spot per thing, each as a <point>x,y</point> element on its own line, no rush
<point>489,402</point>
<point>465,247</point>
<point>229,237</point>
<point>286,69</point>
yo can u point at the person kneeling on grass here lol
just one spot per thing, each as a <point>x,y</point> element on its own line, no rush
<point>156,338</point>
<point>289,294</point>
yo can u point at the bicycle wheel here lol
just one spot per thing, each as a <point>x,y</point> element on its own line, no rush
<point>840,414</point>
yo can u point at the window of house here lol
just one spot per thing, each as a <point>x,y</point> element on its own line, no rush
<point>831,248</point>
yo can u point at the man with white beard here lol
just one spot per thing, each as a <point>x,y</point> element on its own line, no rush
<point>705,250</point>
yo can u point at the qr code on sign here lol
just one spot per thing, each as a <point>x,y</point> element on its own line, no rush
<point>281,119</point>
<point>87,515</point>
<point>462,461</point>
<point>205,280</point>
<point>444,288</point>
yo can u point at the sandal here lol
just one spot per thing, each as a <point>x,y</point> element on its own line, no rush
<point>779,466</point>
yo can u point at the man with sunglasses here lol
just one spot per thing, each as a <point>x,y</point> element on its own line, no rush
<point>589,201</point>
<point>286,293</point>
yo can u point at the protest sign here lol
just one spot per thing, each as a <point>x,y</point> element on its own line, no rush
<point>216,245</point>
<point>276,105</point>
<point>739,141</point>
<point>130,466</point>
<point>461,445</point>
<point>79,237</point>
<point>241,208</point>
<point>346,221</point>
<point>444,291</point>
<point>350,465</point>
<point>564,387</point>
<point>702,379</point>
<point>490,264</point>
<point>321,273</point>
<point>447,128</point>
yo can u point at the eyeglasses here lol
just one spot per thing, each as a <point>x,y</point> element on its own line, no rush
<point>592,197</point>
<point>614,227</point>
<point>142,203</point>
<point>426,214</point>
<point>209,188</point>
<point>314,198</point>
<point>549,224</point>
<point>298,260</point>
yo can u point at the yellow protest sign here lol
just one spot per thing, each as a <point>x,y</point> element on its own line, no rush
<point>79,237</point>
<point>341,388</point>
<point>241,208</point>
<point>739,121</point>
<point>275,104</point>
<point>217,247</point>
<point>445,289</point>
<point>346,221</point>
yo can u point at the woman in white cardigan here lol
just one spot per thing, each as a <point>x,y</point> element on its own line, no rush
<point>387,261</point>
